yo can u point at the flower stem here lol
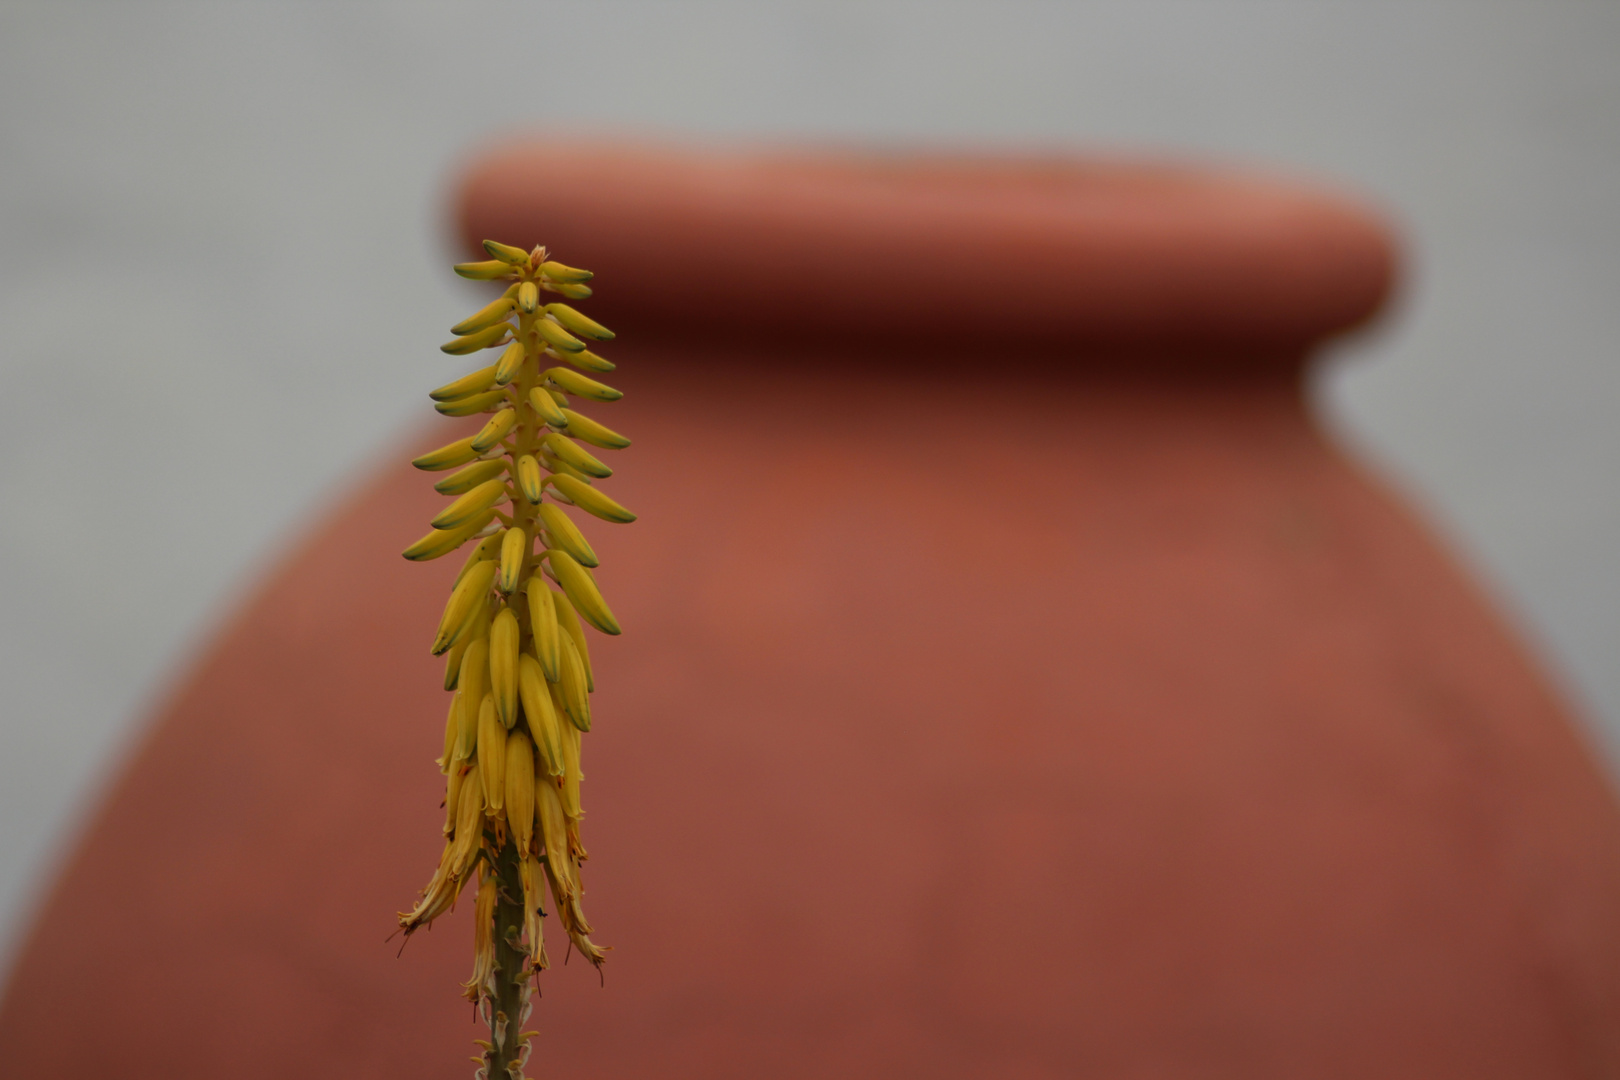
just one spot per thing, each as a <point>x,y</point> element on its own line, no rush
<point>511,978</point>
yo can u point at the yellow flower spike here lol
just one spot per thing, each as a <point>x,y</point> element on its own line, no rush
<point>511,361</point>
<point>533,878</point>
<point>529,479</point>
<point>565,890</point>
<point>541,714</point>
<point>464,638</point>
<point>553,829</point>
<point>556,271</point>
<point>441,542</point>
<point>465,386</point>
<point>454,775</point>
<point>469,831</point>
<point>592,952</point>
<point>474,625</point>
<point>546,407</point>
<point>465,752</point>
<point>578,923</point>
<point>570,773</point>
<point>587,430</point>
<point>528,297</point>
<point>471,504</point>
<point>503,665</point>
<point>437,898</point>
<point>550,461</point>
<point>574,916</point>
<point>519,672</point>
<point>483,271</point>
<point>553,334</point>
<point>573,382</point>
<point>483,938</point>
<point>496,311</point>
<point>506,253</point>
<point>470,592</point>
<point>560,876</point>
<point>452,662</point>
<point>544,627</point>
<point>498,427</point>
<point>488,548</point>
<point>474,683</point>
<point>582,591</point>
<point>590,500</point>
<point>565,534</point>
<point>570,452</point>
<point>458,483</point>
<point>559,706</point>
<point>519,797</point>
<point>573,292</point>
<point>483,615</point>
<point>589,361</point>
<point>576,698</point>
<point>451,731</point>
<point>568,622</point>
<point>472,404</point>
<point>491,756</point>
<point>487,338</point>
<point>476,629</point>
<point>580,325</point>
<point>514,549</point>
<point>447,457</point>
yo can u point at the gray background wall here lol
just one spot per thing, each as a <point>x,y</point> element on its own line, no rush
<point>222,271</point>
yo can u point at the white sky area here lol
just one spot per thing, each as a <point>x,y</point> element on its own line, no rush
<point>222,248</point>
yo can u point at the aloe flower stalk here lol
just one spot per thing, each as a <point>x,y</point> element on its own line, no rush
<point>517,662</point>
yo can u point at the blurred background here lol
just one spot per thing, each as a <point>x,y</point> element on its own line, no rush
<point>223,246</point>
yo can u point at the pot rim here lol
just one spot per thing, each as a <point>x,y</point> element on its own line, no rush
<point>842,245</point>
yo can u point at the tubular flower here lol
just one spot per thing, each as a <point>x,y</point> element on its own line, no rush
<point>513,629</point>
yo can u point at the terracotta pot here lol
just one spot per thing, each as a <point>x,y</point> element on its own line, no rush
<point>1015,685</point>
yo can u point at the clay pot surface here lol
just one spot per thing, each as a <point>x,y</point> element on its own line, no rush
<point>1015,684</point>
